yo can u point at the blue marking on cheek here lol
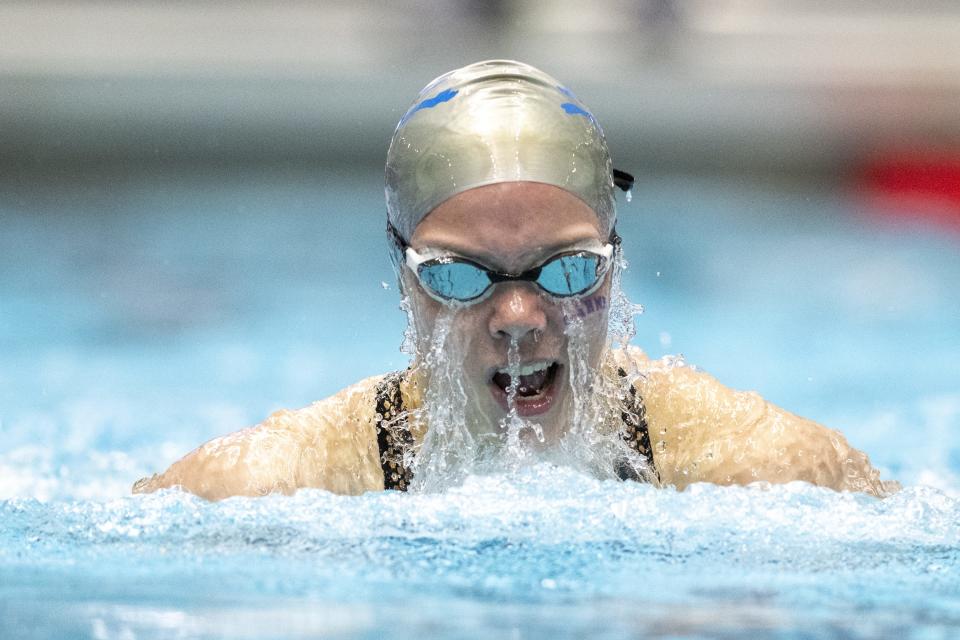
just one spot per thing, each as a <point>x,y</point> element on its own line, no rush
<point>444,96</point>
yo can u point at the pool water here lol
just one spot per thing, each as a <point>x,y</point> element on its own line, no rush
<point>143,314</point>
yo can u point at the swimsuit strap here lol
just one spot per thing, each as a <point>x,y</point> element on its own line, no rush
<point>635,432</point>
<point>394,437</point>
<point>393,433</point>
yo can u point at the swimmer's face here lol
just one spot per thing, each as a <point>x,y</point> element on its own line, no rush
<point>512,227</point>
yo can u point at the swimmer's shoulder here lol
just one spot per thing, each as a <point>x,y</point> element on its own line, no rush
<point>330,444</point>
<point>677,402</point>
<point>350,410</point>
<point>702,430</point>
<point>688,413</point>
<point>340,450</point>
<point>677,393</point>
<point>351,407</point>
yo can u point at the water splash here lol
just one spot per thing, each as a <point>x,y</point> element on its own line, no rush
<point>620,321</point>
<point>515,428</point>
<point>410,340</point>
<point>461,440</point>
<point>448,450</point>
<point>580,371</point>
<point>511,424</point>
<point>540,540</point>
<point>593,441</point>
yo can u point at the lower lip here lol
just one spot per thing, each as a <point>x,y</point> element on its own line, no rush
<point>528,405</point>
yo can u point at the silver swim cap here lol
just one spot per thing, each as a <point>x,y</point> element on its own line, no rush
<point>490,122</point>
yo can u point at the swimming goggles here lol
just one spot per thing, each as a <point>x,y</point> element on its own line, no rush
<point>451,279</point>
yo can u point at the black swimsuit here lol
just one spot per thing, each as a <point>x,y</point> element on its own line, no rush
<point>394,437</point>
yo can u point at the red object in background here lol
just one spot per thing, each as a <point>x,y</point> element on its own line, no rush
<point>913,185</point>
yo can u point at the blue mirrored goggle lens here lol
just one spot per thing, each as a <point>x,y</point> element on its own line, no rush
<point>569,275</point>
<point>455,280</point>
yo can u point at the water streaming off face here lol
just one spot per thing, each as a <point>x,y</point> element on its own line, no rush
<point>448,451</point>
<point>461,439</point>
<point>621,312</point>
<point>592,442</point>
<point>511,424</point>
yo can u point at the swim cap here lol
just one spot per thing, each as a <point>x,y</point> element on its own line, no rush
<point>489,122</point>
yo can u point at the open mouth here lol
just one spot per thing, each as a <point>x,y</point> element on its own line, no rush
<point>534,384</point>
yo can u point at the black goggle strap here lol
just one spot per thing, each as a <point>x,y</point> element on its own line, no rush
<point>398,247</point>
<point>622,180</point>
<point>395,237</point>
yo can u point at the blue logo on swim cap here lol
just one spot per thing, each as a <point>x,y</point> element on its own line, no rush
<point>444,96</point>
<point>576,110</point>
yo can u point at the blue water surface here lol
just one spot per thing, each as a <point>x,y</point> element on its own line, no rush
<point>142,314</point>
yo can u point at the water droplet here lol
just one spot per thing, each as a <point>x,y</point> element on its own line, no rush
<point>384,285</point>
<point>629,195</point>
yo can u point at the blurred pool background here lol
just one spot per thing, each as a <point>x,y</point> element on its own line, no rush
<point>191,236</point>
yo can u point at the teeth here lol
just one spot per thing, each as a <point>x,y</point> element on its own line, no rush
<point>527,369</point>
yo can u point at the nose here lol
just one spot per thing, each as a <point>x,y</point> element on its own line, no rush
<point>517,311</point>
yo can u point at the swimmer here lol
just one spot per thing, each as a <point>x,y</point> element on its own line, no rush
<point>501,223</point>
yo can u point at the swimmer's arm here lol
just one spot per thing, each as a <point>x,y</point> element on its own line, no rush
<point>328,445</point>
<point>702,431</point>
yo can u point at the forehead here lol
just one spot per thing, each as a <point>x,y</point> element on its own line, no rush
<point>507,223</point>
